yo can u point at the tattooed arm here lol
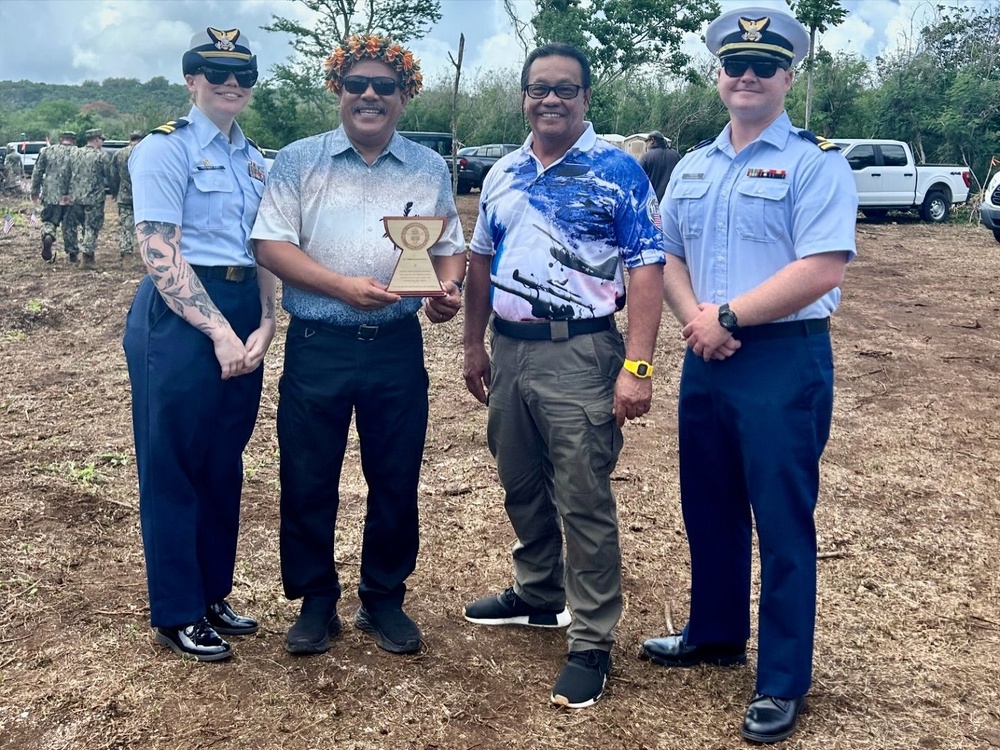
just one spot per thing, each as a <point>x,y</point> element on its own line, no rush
<point>260,340</point>
<point>182,290</point>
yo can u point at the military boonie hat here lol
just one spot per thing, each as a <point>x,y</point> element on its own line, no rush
<point>767,33</point>
<point>67,134</point>
<point>219,49</point>
<point>93,133</point>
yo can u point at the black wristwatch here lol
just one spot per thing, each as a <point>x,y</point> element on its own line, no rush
<point>727,318</point>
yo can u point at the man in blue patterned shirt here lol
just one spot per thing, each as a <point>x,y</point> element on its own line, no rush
<point>558,221</point>
<point>352,346</point>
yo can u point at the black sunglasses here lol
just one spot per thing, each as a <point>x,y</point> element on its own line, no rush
<point>563,90</point>
<point>383,85</point>
<point>761,68</point>
<point>245,79</point>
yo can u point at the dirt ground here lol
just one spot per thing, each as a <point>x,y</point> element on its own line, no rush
<point>908,638</point>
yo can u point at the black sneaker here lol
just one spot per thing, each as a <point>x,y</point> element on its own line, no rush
<point>198,641</point>
<point>223,620</point>
<point>510,609</point>
<point>394,631</point>
<point>317,624</point>
<point>47,248</point>
<point>581,682</point>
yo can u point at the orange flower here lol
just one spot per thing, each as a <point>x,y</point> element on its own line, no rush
<point>353,45</point>
<point>373,45</point>
<point>392,53</point>
<point>407,60</point>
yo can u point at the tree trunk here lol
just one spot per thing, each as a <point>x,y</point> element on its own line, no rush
<point>454,114</point>
<point>809,74</point>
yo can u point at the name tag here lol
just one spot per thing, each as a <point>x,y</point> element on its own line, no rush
<point>693,176</point>
<point>208,167</point>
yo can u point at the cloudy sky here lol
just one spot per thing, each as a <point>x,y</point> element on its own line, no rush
<point>69,41</point>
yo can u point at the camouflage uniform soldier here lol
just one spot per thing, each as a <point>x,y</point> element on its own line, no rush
<point>15,171</point>
<point>121,189</point>
<point>91,178</point>
<point>50,181</point>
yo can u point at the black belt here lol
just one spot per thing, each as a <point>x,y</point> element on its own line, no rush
<point>361,332</point>
<point>784,330</point>
<point>551,330</point>
<point>225,273</point>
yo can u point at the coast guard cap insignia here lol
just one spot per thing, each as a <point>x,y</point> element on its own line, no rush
<point>224,40</point>
<point>753,28</point>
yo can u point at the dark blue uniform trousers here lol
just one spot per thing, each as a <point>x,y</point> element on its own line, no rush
<point>752,429</point>
<point>329,374</point>
<point>190,431</point>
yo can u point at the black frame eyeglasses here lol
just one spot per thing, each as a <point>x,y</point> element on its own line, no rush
<point>245,79</point>
<point>381,85</point>
<point>761,68</point>
<point>562,90</point>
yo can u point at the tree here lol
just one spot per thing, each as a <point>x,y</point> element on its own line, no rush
<point>403,20</point>
<point>621,37</point>
<point>817,16</point>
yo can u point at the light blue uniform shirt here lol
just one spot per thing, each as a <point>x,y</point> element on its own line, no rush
<point>737,219</point>
<point>210,188</point>
<point>324,198</point>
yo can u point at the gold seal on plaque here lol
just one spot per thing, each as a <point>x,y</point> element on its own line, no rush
<point>413,236</point>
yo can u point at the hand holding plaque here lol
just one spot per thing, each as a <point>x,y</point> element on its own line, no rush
<point>413,236</point>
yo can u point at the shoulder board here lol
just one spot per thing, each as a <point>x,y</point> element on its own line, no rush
<point>823,143</point>
<point>701,144</point>
<point>253,143</point>
<point>170,127</point>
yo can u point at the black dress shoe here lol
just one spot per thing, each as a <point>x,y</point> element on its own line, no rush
<point>769,719</point>
<point>394,631</point>
<point>223,620</point>
<point>198,641</point>
<point>674,651</point>
<point>317,624</point>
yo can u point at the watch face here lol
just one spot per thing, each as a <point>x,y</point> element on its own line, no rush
<point>727,320</point>
<point>641,369</point>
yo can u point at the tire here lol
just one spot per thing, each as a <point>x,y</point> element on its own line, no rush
<point>935,207</point>
<point>875,213</point>
<point>996,234</point>
<point>464,188</point>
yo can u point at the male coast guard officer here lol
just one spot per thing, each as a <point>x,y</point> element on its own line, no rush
<point>759,226</point>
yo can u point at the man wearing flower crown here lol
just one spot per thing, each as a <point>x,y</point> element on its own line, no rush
<point>352,346</point>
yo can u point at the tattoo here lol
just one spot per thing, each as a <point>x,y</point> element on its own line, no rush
<point>269,312</point>
<point>180,287</point>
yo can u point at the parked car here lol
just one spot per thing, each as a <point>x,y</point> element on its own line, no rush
<point>474,166</point>
<point>989,211</point>
<point>29,151</point>
<point>888,179</point>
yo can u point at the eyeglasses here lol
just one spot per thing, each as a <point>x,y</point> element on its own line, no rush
<point>245,79</point>
<point>382,85</point>
<point>563,90</point>
<point>761,68</point>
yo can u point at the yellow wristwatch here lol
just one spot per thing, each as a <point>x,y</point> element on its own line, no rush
<point>640,368</point>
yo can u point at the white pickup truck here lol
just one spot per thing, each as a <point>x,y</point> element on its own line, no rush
<point>888,180</point>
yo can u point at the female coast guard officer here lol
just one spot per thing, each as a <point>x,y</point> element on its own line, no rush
<point>195,340</point>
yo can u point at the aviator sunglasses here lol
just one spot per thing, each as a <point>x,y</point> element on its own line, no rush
<point>245,79</point>
<point>383,85</point>
<point>761,68</point>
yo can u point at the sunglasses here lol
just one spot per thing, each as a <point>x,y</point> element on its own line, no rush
<point>245,79</point>
<point>563,90</point>
<point>382,85</point>
<point>761,68</point>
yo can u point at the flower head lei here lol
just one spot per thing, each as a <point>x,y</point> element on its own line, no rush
<point>359,47</point>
